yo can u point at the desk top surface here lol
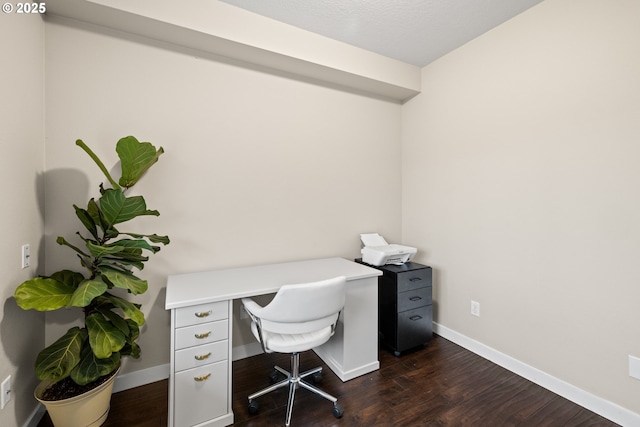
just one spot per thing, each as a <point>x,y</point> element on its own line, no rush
<point>184,290</point>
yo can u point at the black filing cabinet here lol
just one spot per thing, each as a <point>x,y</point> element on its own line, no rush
<point>405,309</point>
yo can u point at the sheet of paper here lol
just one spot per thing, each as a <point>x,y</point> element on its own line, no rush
<point>373,239</point>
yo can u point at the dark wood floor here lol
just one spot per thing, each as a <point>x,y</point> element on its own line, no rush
<point>440,385</point>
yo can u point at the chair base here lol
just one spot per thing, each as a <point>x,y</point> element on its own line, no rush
<point>295,380</point>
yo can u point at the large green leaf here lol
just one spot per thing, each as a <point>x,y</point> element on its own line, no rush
<point>98,251</point>
<point>43,294</point>
<point>87,291</point>
<point>129,309</point>
<point>122,262</point>
<point>91,368</point>
<point>152,238</point>
<point>104,337</point>
<point>117,321</point>
<point>56,361</point>
<point>137,244</point>
<point>68,277</point>
<point>135,158</point>
<point>94,211</point>
<point>125,281</point>
<point>130,254</point>
<point>134,331</point>
<point>131,348</point>
<point>118,208</point>
<point>87,220</point>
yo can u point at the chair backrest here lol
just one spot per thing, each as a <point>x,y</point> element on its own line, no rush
<point>304,308</point>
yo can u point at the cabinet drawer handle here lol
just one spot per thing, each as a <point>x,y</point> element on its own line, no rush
<point>202,357</point>
<point>415,298</point>
<point>415,279</point>
<point>203,314</point>
<point>202,336</point>
<point>202,378</point>
<point>416,317</point>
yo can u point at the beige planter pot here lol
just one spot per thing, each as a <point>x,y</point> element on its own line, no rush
<point>86,410</point>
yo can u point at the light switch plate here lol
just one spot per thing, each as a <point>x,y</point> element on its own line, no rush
<point>5,389</point>
<point>26,256</point>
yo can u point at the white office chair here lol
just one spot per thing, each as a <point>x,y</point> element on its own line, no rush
<point>299,318</point>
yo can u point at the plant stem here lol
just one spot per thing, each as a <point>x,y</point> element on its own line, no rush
<point>95,158</point>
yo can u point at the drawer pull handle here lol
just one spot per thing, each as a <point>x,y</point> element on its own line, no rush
<point>202,357</point>
<point>202,336</point>
<point>416,317</point>
<point>415,298</point>
<point>202,378</point>
<point>203,314</point>
<point>415,279</point>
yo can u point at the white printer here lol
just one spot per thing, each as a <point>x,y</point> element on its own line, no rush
<point>376,251</point>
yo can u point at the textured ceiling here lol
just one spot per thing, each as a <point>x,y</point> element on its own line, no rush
<point>413,31</point>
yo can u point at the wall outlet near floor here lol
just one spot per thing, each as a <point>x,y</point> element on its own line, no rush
<point>634,367</point>
<point>5,389</point>
<point>475,308</point>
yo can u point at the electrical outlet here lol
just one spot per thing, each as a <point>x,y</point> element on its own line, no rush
<point>634,367</point>
<point>475,308</point>
<point>26,255</point>
<point>5,389</point>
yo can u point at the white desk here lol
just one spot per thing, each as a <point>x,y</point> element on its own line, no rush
<point>201,307</point>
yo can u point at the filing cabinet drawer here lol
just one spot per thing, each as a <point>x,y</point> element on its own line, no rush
<point>200,355</point>
<point>201,394</point>
<point>414,279</point>
<point>201,313</point>
<point>414,299</point>
<point>201,334</point>
<point>414,327</point>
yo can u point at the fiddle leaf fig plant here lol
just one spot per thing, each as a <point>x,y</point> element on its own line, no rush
<point>108,259</point>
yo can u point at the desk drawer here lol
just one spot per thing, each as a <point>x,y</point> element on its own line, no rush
<point>200,355</point>
<point>202,313</point>
<point>201,334</point>
<point>414,279</point>
<point>414,299</point>
<point>201,394</point>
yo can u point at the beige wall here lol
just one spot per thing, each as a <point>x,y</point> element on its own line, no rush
<point>520,187</point>
<point>21,217</point>
<point>518,170</point>
<point>258,168</point>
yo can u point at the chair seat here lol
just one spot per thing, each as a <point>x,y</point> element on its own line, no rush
<point>292,343</point>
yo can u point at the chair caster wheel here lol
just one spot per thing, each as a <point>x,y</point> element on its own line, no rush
<point>317,378</point>
<point>338,410</point>
<point>253,407</point>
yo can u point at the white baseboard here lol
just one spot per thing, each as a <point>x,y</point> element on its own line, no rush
<point>35,416</point>
<point>247,350</point>
<point>600,406</point>
<point>141,377</point>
